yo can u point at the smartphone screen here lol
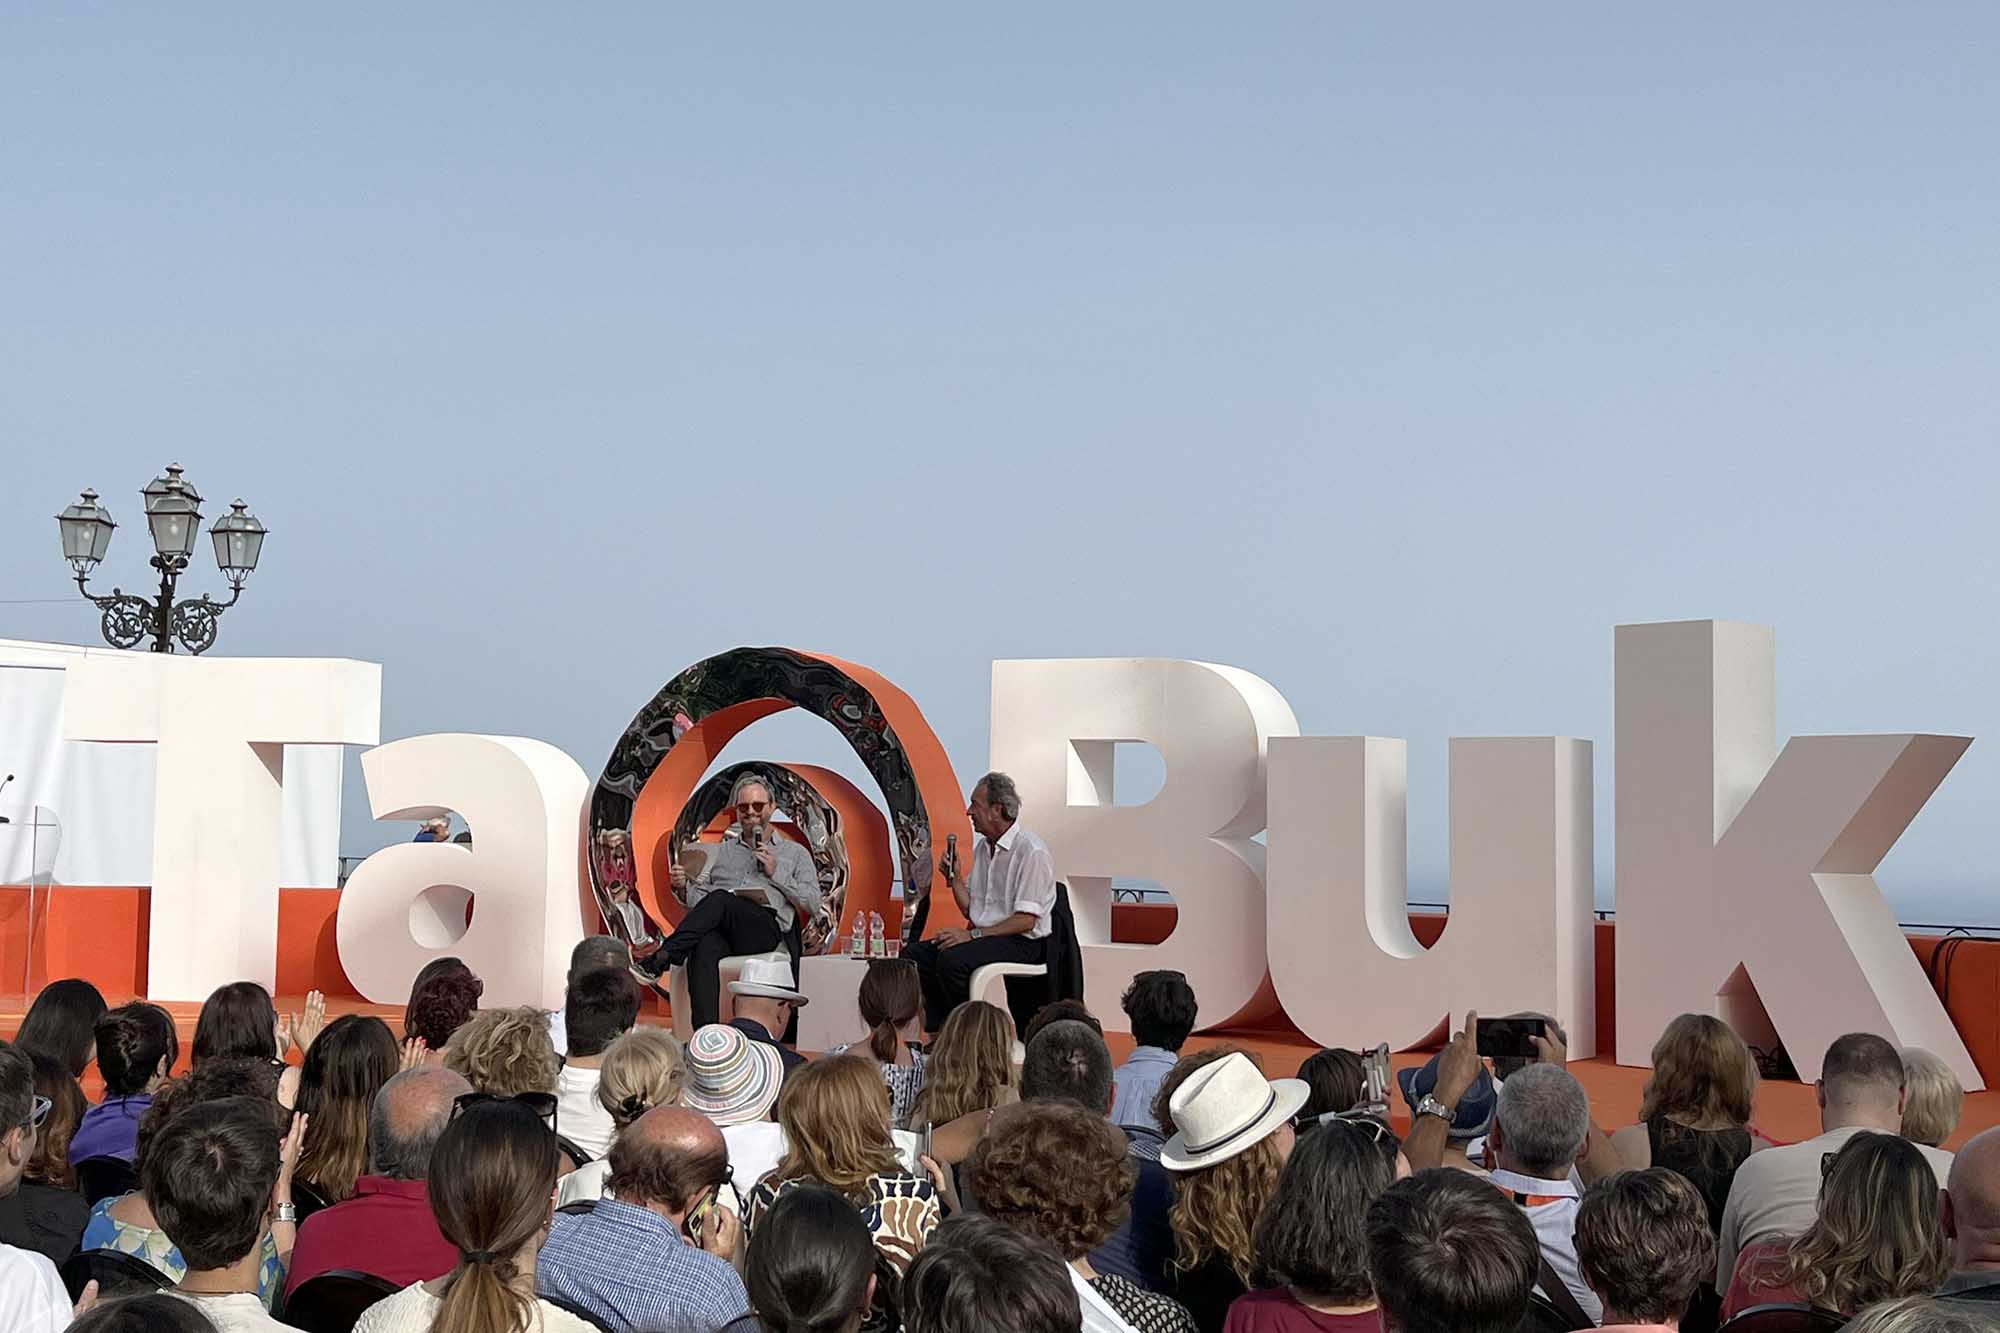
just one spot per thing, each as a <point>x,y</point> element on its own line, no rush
<point>1510,1038</point>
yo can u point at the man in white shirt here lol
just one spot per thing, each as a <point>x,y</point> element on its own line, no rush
<point>32,1299</point>
<point>600,1005</point>
<point>1776,1191</point>
<point>1540,1131</point>
<point>1007,899</point>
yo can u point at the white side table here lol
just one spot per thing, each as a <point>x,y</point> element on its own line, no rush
<point>833,983</point>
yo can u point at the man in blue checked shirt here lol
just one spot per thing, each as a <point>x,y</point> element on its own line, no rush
<point>660,1257</point>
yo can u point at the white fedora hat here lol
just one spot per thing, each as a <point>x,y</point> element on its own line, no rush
<point>1226,1108</point>
<point>769,977</point>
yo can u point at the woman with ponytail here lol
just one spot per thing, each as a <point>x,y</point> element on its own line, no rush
<point>492,1182</point>
<point>891,1002</point>
<point>811,1266</point>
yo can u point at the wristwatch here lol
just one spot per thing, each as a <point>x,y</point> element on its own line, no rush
<point>975,933</point>
<point>1432,1106</point>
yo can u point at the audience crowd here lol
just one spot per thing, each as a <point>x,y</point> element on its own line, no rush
<point>499,1170</point>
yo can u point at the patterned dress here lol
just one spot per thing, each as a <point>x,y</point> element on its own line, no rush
<point>900,1209</point>
<point>105,1232</point>
<point>1146,1311</point>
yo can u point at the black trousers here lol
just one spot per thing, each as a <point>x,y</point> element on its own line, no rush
<point>947,973</point>
<point>720,925</point>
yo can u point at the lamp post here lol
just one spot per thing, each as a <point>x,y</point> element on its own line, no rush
<point>173,516</point>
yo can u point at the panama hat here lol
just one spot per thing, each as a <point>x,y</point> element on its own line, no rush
<point>731,1079</point>
<point>768,977</point>
<point>1474,1113</point>
<point>1225,1108</point>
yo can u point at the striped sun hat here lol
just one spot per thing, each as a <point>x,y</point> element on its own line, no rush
<point>731,1079</point>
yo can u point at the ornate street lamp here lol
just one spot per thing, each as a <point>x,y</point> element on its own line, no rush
<point>173,516</point>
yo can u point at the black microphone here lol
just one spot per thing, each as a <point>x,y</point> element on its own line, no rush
<point>3,787</point>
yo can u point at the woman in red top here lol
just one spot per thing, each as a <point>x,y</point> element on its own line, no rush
<point>1877,1236</point>
<point>1312,1246</point>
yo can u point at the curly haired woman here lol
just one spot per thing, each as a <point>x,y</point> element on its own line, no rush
<point>1062,1174</point>
<point>1232,1133</point>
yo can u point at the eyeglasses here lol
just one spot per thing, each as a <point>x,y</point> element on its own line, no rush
<point>752,807</point>
<point>542,1104</point>
<point>38,1113</point>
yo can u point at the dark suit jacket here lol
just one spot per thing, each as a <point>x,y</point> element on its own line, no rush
<point>754,1030</point>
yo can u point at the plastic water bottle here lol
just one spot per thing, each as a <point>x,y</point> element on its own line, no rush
<point>857,943</point>
<point>877,946</point>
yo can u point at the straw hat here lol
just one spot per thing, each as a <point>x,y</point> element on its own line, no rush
<point>770,978</point>
<point>731,1079</point>
<point>1225,1108</point>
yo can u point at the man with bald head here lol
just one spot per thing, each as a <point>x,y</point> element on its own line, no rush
<point>1970,1211</point>
<point>388,1228</point>
<point>659,1252</point>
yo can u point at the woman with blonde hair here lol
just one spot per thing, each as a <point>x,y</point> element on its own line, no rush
<point>1935,1098</point>
<point>970,1068</point>
<point>1694,1114</point>
<point>891,1000</point>
<point>835,1116</point>
<point>504,1052</point>
<point>1877,1236</point>
<point>1232,1134</point>
<point>642,1069</point>
<point>491,1178</point>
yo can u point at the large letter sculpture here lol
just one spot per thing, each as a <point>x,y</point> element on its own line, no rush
<point>1055,724</point>
<point>220,726</point>
<point>521,877</point>
<point>1746,886</point>
<point>1347,966</point>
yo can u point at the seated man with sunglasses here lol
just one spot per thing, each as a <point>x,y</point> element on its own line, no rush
<point>656,1253</point>
<point>32,1217</point>
<point>749,898</point>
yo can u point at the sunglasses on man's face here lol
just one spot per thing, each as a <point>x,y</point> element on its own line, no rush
<point>542,1104</point>
<point>752,807</point>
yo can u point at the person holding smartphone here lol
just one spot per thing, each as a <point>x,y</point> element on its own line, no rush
<point>1006,898</point>
<point>661,1249</point>
<point>748,898</point>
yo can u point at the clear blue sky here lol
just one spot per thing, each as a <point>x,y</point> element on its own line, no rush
<point>1395,355</point>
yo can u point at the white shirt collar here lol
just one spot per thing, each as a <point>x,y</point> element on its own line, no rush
<point>1520,1184</point>
<point>1005,843</point>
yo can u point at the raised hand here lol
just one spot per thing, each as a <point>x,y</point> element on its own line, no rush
<point>308,1025</point>
<point>414,1052</point>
